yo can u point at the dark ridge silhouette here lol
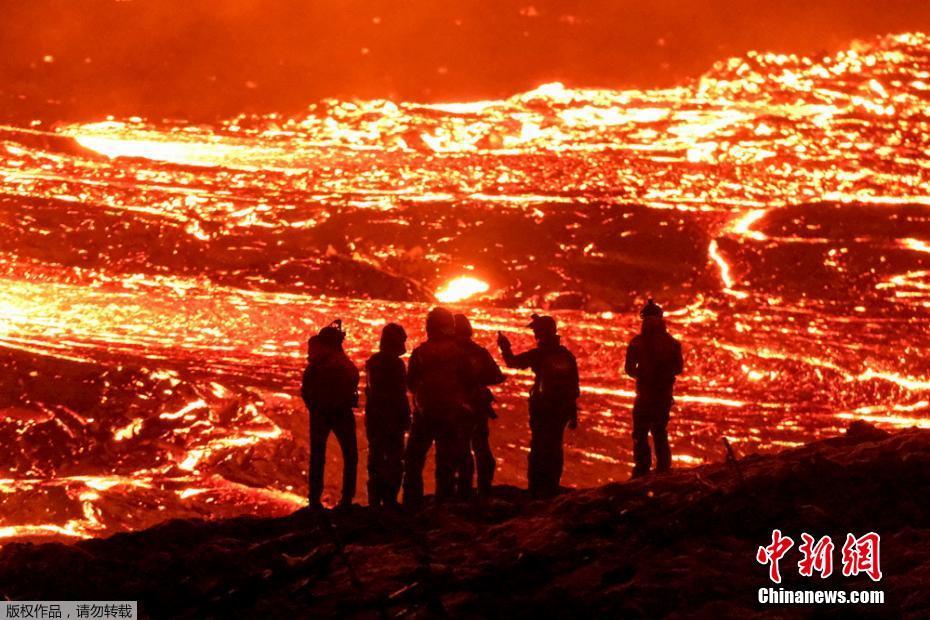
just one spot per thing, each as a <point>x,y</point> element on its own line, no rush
<point>681,545</point>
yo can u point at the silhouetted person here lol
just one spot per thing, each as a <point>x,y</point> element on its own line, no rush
<point>438,377</point>
<point>553,401</point>
<point>484,372</point>
<point>654,359</point>
<point>330,391</point>
<point>387,416</point>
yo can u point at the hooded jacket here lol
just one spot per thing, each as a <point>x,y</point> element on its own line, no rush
<point>654,359</point>
<point>330,381</point>
<point>386,405</point>
<point>439,375</point>
<point>555,369</point>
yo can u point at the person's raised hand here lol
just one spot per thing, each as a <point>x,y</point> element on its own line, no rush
<point>503,342</point>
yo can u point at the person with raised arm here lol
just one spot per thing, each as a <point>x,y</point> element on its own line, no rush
<point>552,403</point>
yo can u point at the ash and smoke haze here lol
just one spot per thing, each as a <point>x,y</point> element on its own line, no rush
<point>218,58</point>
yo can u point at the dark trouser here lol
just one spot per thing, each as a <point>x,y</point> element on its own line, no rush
<point>342,424</point>
<point>483,462</point>
<point>385,466</point>
<point>545,461</point>
<point>651,415</point>
<point>419,442</point>
<point>447,430</point>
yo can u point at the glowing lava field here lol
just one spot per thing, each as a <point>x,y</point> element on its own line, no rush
<point>159,279</point>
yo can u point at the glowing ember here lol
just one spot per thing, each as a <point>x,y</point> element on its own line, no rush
<point>461,288</point>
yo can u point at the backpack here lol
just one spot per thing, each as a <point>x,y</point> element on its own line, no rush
<point>331,383</point>
<point>658,364</point>
<point>557,376</point>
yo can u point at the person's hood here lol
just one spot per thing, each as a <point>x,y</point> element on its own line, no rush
<point>320,357</point>
<point>440,323</point>
<point>653,325</point>
<point>396,349</point>
<point>463,329</point>
<point>315,349</point>
<point>393,340</point>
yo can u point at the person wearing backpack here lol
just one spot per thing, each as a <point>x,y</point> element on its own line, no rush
<point>484,372</point>
<point>553,401</point>
<point>330,391</point>
<point>654,359</point>
<point>387,416</point>
<point>439,377</point>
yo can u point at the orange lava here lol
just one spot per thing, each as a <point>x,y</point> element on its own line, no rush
<point>160,279</point>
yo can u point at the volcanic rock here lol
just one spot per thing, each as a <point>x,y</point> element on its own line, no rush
<point>681,545</point>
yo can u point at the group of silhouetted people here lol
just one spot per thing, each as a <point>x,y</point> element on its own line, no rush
<point>449,377</point>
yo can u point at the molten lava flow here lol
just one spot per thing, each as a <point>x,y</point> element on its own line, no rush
<point>461,288</point>
<point>160,280</point>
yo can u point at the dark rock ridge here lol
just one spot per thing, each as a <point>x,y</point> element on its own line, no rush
<point>681,545</point>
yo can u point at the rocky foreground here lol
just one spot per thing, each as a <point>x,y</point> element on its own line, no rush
<point>681,545</point>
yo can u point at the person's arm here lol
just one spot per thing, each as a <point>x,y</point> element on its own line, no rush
<point>402,390</point>
<point>355,377</point>
<point>491,373</point>
<point>631,365</point>
<point>306,386</point>
<point>369,381</point>
<point>576,379</point>
<point>522,361</point>
<point>573,421</point>
<point>413,371</point>
<point>398,380</point>
<point>679,359</point>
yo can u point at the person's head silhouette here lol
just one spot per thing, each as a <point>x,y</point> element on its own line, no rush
<point>651,309</point>
<point>332,335</point>
<point>463,330</point>
<point>440,323</point>
<point>393,339</point>
<point>544,328</point>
